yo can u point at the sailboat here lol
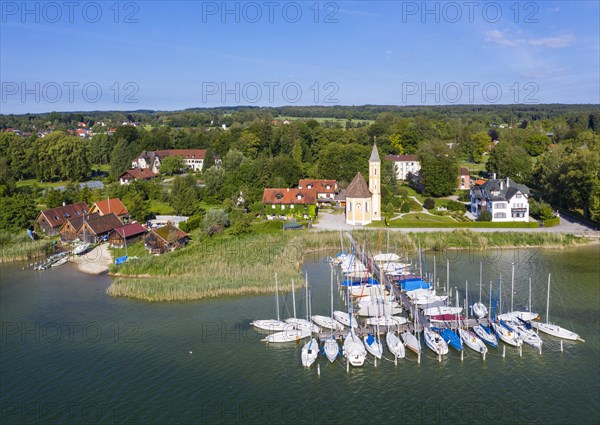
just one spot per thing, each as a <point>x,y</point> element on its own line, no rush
<point>354,350</point>
<point>484,332</point>
<point>373,343</point>
<point>479,308</point>
<point>410,340</point>
<point>310,350</point>
<point>552,329</point>
<point>513,315</point>
<point>469,337</point>
<point>302,323</point>
<point>451,336</point>
<point>503,330</point>
<point>331,349</point>
<point>272,325</point>
<point>525,330</point>
<point>435,341</point>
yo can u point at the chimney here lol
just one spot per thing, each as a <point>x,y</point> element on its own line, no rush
<point>288,189</point>
<point>507,182</point>
<point>494,176</point>
<point>501,184</point>
<point>64,204</point>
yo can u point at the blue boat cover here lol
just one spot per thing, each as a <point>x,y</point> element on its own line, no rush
<point>413,283</point>
<point>358,282</point>
<point>370,339</point>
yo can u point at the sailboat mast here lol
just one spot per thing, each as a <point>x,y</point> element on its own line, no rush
<point>467,299</point>
<point>447,276</point>
<point>306,282</point>
<point>420,265</point>
<point>512,288</point>
<point>276,296</point>
<point>331,293</point>
<point>548,302</point>
<point>294,297</point>
<point>529,295</point>
<point>480,279</point>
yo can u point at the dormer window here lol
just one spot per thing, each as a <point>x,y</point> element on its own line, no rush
<point>310,186</point>
<point>328,187</point>
<point>299,196</point>
<point>279,196</point>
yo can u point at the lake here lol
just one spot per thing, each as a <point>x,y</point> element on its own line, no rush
<point>72,354</point>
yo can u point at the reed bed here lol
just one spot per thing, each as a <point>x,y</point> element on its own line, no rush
<point>228,265</point>
<point>20,247</point>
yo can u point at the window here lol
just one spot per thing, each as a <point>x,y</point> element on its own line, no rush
<point>518,195</point>
<point>367,207</point>
<point>349,206</point>
<point>292,206</point>
<point>501,206</point>
<point>500,215</point>
<point>273,206</point>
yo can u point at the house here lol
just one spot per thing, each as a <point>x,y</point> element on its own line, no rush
<point>126,234</point>
<point>164,239</point>
<point>108,206</point>
<point>70,230</point>
<point>363,203</point>
<point>325,190</point>
<point>464,179</point>
<point>192,158</point>
<point>100,226</point>
<point>299,202</point>
<point>136,174</point>
<point>52,219</point>
<point>505,199</point>
<point>161,220</point>
<point>405,165</point>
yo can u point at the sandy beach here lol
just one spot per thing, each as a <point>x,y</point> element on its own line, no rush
<point>96,261</point>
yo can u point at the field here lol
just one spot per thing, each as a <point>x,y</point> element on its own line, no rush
<point>321,120</point>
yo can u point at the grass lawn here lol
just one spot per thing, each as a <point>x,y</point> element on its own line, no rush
<point>412,192</point>
<point>420,217</point>
<point>161,208</point>
<point>41,185</point>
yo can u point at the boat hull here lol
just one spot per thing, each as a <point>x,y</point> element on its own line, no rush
<point>556,331</point>
<point>310,351</point>
<point>395,345</point>
<point>411,342</point>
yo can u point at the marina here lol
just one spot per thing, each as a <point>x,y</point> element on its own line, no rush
<point>376,287</point>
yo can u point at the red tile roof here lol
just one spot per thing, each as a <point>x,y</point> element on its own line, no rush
<point>185,153</point>
<point>139,173</point>
<point>131,229</point>
<point>59,215</point>
<point>464,171</point>
<point>401,157</point>
<point>289,196</point>
<point>102,224</point>
<point>319,185</point>
<point>113,205</point>
<point>358,188</point>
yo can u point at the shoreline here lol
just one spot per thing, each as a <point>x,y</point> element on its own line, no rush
<point>94,262</point>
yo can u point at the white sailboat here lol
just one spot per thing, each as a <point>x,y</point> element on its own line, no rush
<point>354,349</point>
<point>387,321</point>
<point>288,335</point>
<point>435,342</point>
<point>410,340</point>
<point>502,329</point>
<point>394,344</point>
<point>485,332</point>
<point>552,329</point>
<point>301,323</point>
<point>272,325</point>
<point>310,350</point>
<point>345,318</point>
<point>513,315</point>
<point>330,346</point>
<point>469,337</point>
<point>479,309</point>
<point>434,311</point>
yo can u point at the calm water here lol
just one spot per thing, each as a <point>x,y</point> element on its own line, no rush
<point>71,354</point>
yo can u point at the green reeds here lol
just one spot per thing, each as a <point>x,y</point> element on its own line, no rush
<point>19,247</point>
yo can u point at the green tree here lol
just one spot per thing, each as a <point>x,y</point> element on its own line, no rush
<point>215,221</point>
<point>476,145</point>
<point>396,142</point>
<point>439,169</point>
<point>17,211</point>
<point>536,144</point>
<point>508,160</point>
<point>172,165</point>
<point>120,159</point>
<point>139,209</point>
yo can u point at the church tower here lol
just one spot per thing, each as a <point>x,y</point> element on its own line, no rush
<point>375,183</point>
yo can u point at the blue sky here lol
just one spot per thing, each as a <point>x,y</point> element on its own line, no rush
<point>176,55</point>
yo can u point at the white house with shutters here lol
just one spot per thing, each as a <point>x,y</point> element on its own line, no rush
<point>504,199</point>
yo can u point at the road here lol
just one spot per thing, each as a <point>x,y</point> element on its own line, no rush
<point>336,222</point>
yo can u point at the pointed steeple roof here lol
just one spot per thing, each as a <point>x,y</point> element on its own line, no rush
<point>358,188</point>
<point>374,154</point>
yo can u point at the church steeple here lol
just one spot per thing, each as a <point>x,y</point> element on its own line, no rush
<point>375,182</point>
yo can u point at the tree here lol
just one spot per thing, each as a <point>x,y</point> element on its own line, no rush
<point>439,169</point>
<point>508,160</point>
<point>172,165</point>
<point>214,178</point>
<point>184,197</point>
<point>138,208</point>
<point>429,204</point>
<point>17,211</point>
<point>475,146</point>
<point>536,144</point>
<point>485,216</point>
<point>120,159</point>
<point>396,142</point>
<point>215,221</point>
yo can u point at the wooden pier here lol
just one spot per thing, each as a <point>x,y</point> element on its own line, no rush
<point>407,304</point>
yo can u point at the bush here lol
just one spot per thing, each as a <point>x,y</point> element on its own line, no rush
<point>405,208</point>
<point>215,221</point>
<point>455,206</point>
<point>429,203</point>
<point>552,222</point>
<point>389,209</point>
<point>402,192</point>
<point>485,216</point>
<point>540,210</point>
<point>465,196</point>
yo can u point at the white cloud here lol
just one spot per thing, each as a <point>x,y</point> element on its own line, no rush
<point>501,38</point>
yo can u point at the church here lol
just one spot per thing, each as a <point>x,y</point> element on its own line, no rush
<point>363,203</point>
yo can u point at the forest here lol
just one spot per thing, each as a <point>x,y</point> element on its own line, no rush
<point>554,149</point>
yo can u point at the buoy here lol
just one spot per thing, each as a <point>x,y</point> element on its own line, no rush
<point>190,352</point>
